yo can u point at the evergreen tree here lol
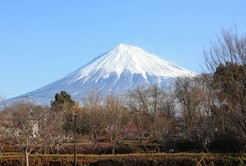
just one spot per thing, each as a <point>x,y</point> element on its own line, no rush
<point>62,102</point>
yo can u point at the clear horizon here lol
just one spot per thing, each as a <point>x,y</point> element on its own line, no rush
<point>43,41</point>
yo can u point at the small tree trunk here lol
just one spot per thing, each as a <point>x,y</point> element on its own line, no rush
<point>113,149</point>
<point>26,158</point>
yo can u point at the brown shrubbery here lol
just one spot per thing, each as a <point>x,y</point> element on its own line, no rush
<point>181,159</point>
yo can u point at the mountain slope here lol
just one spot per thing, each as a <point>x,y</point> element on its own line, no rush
<point>123,68</point>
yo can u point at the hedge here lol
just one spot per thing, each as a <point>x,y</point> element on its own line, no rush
<point>162,159</point>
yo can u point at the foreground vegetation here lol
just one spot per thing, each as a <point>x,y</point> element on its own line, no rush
<point>179,159</point>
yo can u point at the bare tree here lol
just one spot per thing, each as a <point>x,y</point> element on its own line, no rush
<point>61,132</point>
<point>194,102</point>
<point>154,111</point>
<point>93,113</point>
<point>138,104</point>
<point>5,133</point>
<point>27,127</point>
<point>226,60</point>
<point>115,114</point>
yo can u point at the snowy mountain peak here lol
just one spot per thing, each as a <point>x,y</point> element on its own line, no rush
<point>126,49</point>
<point>121,69</point>
<point>134,60</point>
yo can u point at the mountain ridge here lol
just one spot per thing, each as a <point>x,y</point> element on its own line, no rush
<point>123,68</point>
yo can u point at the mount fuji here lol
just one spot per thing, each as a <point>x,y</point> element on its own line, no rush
<point>123,68</point>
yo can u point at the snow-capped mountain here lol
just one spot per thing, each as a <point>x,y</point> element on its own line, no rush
<point>123,68</point>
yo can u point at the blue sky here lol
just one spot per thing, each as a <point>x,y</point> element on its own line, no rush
<point>42,41</point>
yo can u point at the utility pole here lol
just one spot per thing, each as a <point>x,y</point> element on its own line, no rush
<point>74,134</point>
<point>29,109</point>
<point>74,140</point>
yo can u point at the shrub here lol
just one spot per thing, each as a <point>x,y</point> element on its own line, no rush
<point>174,159</point>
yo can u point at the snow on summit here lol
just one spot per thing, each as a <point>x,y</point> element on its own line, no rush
<point>123,68</point>
<point>135,60</point>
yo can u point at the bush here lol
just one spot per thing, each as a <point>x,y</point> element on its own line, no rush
<point>174,159</point>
